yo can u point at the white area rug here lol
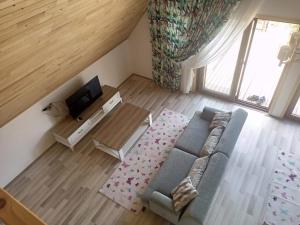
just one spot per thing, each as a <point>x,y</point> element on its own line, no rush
<point>133,175</point>
<point>283,206</point>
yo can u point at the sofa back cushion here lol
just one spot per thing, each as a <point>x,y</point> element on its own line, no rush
<point>220,119</point>
<point>208,113</point>
<point>211,141</point>
<point>198,169</point>
<point>231,132</point>
<point>196,211</point>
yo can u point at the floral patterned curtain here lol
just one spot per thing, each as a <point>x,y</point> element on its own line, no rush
<point>179,28</point>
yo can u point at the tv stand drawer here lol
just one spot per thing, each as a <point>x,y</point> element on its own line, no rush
<point>79,133</point>
<point>108,106</point>
<point>96,117</point>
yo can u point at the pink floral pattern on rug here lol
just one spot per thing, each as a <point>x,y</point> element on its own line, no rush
<point>140,165</point>
<point>283,207</point>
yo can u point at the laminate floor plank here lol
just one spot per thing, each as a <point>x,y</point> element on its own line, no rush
<point>62,186</point>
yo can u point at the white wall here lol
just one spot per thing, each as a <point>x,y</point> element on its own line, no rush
<point>27,136</point>
<point>287,90</point>
<point>288,9</point>
<point>140,54</point>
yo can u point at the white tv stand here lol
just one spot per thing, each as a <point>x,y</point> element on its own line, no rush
<point>70,131</point>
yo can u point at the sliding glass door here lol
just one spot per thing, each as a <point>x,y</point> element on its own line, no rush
<point>262,70</point>
<point>220,73</point>
<point>249,73</point>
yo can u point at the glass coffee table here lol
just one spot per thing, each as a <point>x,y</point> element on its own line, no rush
<point>120,131</point>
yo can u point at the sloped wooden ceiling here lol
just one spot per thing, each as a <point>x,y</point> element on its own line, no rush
<point>43,43</point>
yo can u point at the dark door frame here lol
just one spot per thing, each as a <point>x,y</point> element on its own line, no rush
<point>289,112</point>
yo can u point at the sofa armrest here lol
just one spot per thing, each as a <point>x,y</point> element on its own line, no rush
<point>162,200</point>
<point>162,205</point>
<point>208,113</point>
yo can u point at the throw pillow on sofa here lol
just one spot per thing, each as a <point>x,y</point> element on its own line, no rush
<point>197,170</point>
<point>220,119</point>
<point>211,141</point>
<point>183,194</point>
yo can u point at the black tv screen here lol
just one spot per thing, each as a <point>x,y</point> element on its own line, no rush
<point>84,97</point>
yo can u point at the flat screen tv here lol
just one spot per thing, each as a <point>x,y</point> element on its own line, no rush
<point>84,97</point>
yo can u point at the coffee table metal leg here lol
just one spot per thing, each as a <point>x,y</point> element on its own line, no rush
<point>121,155</point>
<point>149,119</point>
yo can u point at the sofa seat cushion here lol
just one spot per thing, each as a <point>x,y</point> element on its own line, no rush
<point>172,172</point>
<point>194,136</point>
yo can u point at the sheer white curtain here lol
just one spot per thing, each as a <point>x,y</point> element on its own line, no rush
<point>234,27</point>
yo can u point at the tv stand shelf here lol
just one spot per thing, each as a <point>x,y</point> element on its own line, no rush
<point>70,131</point>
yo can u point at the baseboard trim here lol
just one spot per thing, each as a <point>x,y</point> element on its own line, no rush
<point>134,75</point>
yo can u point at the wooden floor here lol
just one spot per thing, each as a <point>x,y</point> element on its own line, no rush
<point>61,186</point>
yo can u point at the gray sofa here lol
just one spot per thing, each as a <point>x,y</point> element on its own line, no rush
<point>157,197</point>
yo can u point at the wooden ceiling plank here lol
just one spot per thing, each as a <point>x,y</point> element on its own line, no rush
<point>51,43</point>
